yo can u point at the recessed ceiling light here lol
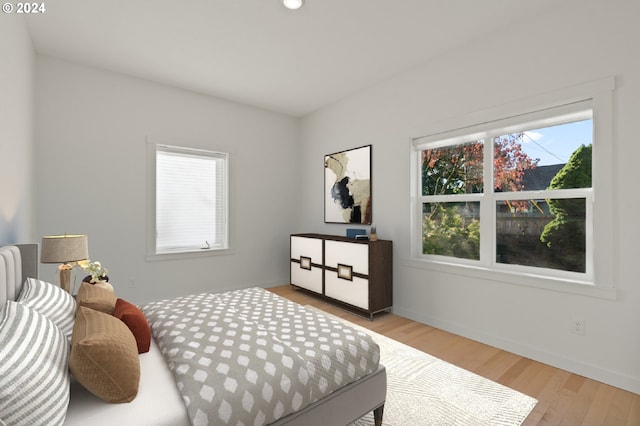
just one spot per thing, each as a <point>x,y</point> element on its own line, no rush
<point>292,4</point>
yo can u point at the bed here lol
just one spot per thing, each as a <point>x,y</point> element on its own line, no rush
<point>280,333</point>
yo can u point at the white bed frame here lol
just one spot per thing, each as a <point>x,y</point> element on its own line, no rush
<point>342,407</point>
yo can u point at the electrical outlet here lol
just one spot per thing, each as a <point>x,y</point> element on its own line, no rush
<point>578,326</point>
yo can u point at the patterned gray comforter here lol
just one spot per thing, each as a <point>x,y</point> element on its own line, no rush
<point>250,357</point>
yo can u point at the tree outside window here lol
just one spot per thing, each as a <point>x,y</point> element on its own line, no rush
<point>541,181</point>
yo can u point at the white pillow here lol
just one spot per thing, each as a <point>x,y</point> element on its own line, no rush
<point>51,301</point>
<point>34,377</point>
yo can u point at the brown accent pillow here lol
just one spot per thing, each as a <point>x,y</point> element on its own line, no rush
<point>104,356</point>
<point>96,298</point>
<point>136,321</point>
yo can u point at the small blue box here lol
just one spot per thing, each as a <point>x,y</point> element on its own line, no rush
<point>352,232</point>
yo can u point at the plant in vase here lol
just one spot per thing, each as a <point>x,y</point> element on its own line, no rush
<point>97,274</point>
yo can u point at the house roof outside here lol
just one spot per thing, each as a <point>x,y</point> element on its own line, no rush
<point>540,178</point>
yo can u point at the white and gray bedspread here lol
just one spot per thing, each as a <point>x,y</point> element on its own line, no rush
<point>250,357</point>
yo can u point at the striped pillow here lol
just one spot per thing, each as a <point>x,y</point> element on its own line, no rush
<point>51,301</point>
<point>34,378</point>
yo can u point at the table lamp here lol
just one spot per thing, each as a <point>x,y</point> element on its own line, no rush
<point>64,249</point>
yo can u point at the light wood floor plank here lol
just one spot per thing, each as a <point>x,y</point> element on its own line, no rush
<point>555,412</point>
<point>599,408</point>
<point>563,398</point>
<point>620,407</point>
<point>497,365</point>
<point>634,413</point>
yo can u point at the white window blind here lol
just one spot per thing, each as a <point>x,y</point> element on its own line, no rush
<point>191,199</point>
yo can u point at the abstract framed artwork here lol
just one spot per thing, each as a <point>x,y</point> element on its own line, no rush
<point>347,186</point>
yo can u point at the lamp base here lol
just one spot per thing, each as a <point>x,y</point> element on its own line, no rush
<point>65,280</point>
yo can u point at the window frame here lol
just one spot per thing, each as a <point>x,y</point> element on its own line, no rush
<point>538,110</point>
<point>153,254</point>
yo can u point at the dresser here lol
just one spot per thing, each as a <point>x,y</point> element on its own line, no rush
<point>356,273</point>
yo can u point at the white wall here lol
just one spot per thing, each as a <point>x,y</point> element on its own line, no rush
<point>91,128</point>
<point>577,43</point>
<point>17,221</point>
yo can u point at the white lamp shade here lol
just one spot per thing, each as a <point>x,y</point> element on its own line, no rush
<point>64,248</point>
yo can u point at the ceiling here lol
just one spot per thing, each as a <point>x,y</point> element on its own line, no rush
<point>257,52</point>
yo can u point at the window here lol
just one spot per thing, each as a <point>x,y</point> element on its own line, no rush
<point>190,200</point>
<point>515,195</point>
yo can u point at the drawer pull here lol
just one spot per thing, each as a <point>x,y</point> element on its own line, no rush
<point>305,263</point>
<point>345,272</point>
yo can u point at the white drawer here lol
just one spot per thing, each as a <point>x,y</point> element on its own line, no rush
<point>308,248</point>
<point>355,292</point>
<point>351,254</point>
<point>311,279</point>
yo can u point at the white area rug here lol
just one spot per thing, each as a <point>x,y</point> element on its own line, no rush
<point>423,390</point>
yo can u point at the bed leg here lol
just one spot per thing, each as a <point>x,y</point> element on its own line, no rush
<point>377,415</point>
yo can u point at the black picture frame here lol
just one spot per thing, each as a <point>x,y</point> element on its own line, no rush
<point>347,186</point>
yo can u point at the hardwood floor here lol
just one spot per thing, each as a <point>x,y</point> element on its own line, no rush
<point>563,398</point>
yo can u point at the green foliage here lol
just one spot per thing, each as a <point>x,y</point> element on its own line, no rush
<point>576,173</point>
<point>447,233</point>
<point>458,169</point>
<point>566,232</point>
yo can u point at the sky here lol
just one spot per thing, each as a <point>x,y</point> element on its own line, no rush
<point>554,145</point>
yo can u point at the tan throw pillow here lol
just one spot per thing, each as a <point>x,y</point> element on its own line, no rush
<point>104,356</point>
<point>96,298</point>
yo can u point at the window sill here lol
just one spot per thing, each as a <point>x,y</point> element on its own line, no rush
<point>193,254</point>
<point>528,280</point>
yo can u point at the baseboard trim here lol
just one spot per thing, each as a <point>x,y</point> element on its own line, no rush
<point>576,366</point>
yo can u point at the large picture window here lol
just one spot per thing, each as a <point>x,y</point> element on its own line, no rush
<point>515,194</point>
<point>190,196</point>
